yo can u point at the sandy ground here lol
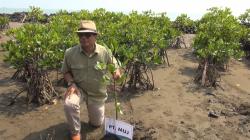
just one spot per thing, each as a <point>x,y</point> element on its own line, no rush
<point>177,109</point>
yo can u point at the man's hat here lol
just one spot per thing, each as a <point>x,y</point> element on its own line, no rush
<point>87,26</point>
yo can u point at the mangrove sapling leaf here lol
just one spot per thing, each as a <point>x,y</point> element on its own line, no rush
<point>111,68</point>
<point>106,79</point>
<point>119,108</point>
<point>100,66</point>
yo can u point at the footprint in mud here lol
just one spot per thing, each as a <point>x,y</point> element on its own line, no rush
<point>244,126</point>
<point>143,133</point>
<point>244,109</point>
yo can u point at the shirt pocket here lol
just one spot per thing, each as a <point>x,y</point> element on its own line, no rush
<point>78,72</point>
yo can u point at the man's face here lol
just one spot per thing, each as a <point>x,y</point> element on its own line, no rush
<point>87,39</point>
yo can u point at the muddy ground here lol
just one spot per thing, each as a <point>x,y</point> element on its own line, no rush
<point>176,109</point>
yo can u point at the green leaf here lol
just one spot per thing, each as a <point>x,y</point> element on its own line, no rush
<point>100,66</point>
<point>105,79</point>
<point>118,108</point>
<point>111,68</point>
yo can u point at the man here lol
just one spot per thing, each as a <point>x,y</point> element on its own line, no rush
<point>84,80</point>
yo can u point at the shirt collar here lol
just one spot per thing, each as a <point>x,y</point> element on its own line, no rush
<point>97,49</point>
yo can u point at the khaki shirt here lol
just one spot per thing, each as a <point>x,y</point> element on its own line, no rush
<point>86,76</point>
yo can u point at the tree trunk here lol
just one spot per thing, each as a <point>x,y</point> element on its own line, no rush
<point>204,74</point>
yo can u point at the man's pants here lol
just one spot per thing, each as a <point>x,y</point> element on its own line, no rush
<point>72,112</point>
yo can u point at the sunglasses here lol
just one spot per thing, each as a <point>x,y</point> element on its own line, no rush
<point>87,35</point>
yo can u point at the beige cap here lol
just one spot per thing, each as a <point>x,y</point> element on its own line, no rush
<point>87,26</point>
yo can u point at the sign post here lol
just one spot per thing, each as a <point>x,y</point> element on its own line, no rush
<point>121,129</point>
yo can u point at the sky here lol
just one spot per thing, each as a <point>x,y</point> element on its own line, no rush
<point>193,8</point>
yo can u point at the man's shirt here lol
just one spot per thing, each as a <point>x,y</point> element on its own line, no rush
<point>85,75</point>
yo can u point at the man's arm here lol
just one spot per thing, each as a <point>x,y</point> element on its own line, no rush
<point>68,77</point>
<point>72,88</point>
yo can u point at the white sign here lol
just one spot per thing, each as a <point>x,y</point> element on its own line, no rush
<point>118,128</point>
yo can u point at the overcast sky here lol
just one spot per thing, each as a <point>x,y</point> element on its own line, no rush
<point>193,8</point>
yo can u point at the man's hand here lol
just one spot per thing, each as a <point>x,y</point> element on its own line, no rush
<point>71,90</point>
<point>117,74</point>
